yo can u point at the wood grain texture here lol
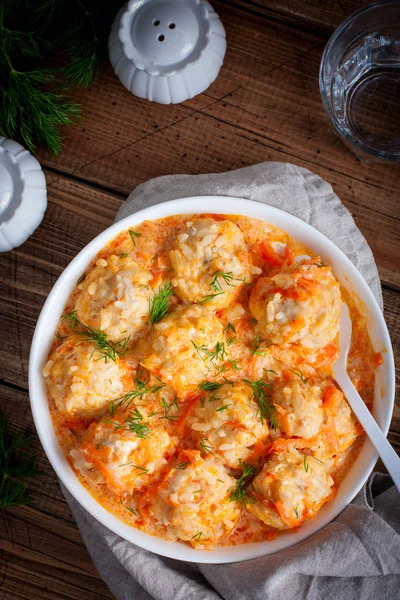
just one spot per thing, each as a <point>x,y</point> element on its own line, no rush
<point>317,15</point>
<point>264,105</point>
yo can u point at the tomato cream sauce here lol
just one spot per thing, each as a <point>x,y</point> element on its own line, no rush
<point>248,354</point>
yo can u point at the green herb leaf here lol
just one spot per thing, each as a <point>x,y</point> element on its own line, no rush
<point>14,467</point>
<point>262,396</point>
<point>183,465</point>
<point>134,234</point>
<point>300,374</point>
<point>205,446</point>
<point>81,279</point>
<point>160,303</point>
<point>239,492</point>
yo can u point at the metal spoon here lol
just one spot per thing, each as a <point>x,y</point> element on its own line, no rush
<point>372,429</point>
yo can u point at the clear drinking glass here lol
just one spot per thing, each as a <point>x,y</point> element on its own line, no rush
<point>360,80</point>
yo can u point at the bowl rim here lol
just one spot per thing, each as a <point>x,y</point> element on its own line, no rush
<point>52,310</point>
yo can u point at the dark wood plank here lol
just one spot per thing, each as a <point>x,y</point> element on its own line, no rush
<point>265,105</point>
<point>321,16</point>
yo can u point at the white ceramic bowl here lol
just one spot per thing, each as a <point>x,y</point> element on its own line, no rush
<point>344,271</point>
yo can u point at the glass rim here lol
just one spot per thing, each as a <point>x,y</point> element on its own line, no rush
<point>353,141</point>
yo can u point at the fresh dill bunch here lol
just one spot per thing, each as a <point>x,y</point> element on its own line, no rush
<point>34,36</point>
<point>160,303</point>
<point>15,466</point>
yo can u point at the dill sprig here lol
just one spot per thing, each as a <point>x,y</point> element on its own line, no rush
<point>262,396</point>
<point>108,350</point>
<point>160,303</point>
<point>167,409</point>
<point>72,319</point>
<point>260,346</point>
<point>183,465</point>
<point>227,277</point>
<point>133,235</point>
<point>210,297</point>
<point>230,329</point>
<point>239,492</point>
<point>137,425</point>
<point>305,464</point>
<point>209,386</point>
<point>300,374</point>
<point>81,279</point>
<point>197,536</point>
<point>141,388</point>
<point>205,446</point>
<point>14,467</point>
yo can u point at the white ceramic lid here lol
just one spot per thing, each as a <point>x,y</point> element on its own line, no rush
<point>23,196</point>
<point>167,50</point>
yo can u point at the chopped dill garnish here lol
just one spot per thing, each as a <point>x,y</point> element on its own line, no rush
<point>223,407</point>
<point>230,328</point>
<point>200,349</point>
<point>210,297</point>
<point>137,425</point>
<point>218,354</point>
<point>234,365</point>
<point>205,446</point>
<point>108,350</point>
<point>142,470</point>
<point>239,492</point>
<point>132,510</point>
<point>305,463</point>
<point>183,465</point>
<point>230,341</point>
<point>14,467</point>
<point>260,346</point>
<point>72,319</point>
<point>167,409</point>
<point>296,512</point>
<point>262,396</point>
<point>123,254</point>
<point>228,278</point>
<point>60,338</point>
<point>159,304</point>
<point>197,492</point>
<point>73,433</point>
<point>197,536</point>
<point>300,374</point>
<point>81,279</point>
<point>134,234</point>
<point>253,321</point>
<point>209,386</point>
<point>154,257</point>
<point>140,390</point>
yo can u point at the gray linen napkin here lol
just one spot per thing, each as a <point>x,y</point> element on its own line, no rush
<point>356,556</point>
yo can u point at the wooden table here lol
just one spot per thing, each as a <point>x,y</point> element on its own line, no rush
<point>265,105</point>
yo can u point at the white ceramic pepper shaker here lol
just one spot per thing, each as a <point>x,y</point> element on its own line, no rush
<point>23,195</point>
<point>167,50</point>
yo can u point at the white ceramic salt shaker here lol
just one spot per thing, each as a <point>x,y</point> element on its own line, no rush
<point>23,196</point>
<point>167,50</point>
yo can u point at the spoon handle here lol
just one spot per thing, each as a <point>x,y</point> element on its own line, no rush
<point>372,429</point>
